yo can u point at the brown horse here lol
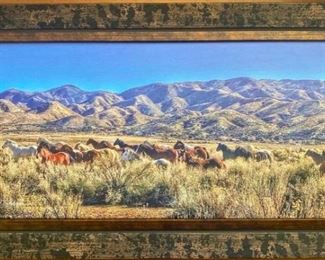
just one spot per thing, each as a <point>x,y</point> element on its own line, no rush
<point>76,155</point>
<point>198,151</point>
<point>102,145</point>
<point>99,145</point>
<point>56,158</point>
<point>90,156</point>
<point>156,153</point>
<point>204,163</point>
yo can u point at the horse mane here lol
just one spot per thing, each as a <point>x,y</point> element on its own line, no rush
<point>9,141</point>
<point>146,142</point>
<point>224,147</point>
<point>242,151</point>
<point>43,143</point>
<point>66,148</point>
<point>120,142</point>
<point>91,140</point>
<point>317,157</point>
<point>313,152</point>
<point>146,145</point>
<point>123,145</point>
<point>40,139</point>
<point>45,140</point>
<point>179,145</point>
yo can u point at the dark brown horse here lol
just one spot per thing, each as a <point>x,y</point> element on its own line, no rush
<point>49,147</point>
<point>76,155</point>
<point>204,163</point>
<point>196,151</point>
<point>156,153</point>
<point>124,145</point>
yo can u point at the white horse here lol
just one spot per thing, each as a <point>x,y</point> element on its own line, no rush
<point>19,151</point>
<point>129,155</point>
<point>162,163</point>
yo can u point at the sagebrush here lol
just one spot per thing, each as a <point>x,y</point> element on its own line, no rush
<point>285,188</point>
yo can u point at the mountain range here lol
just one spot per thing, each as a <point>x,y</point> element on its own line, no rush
<point>239,108</point>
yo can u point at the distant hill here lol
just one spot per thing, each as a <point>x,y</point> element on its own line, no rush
<point>239,108</point>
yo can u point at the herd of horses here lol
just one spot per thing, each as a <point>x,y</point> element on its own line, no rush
<point>65,154</point>
<point>163,155</point>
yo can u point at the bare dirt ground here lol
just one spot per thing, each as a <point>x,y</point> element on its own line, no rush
<point>124,212</point>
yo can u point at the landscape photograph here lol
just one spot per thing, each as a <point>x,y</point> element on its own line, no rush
<point>188,130</point>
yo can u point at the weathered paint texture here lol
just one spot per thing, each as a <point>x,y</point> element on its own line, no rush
<point>212,245</point>
<point>158,16</point>
<point>108,245</point>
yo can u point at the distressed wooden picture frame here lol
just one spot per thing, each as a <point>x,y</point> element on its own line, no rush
<point>60,21</point>
<point>161,20</point>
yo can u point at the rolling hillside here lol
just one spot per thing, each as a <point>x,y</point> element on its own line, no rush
<point>239,108</point>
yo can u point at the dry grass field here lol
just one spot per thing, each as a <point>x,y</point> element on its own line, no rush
<point>291,186</point>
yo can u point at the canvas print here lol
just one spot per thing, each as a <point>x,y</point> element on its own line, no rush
<point>162,130</point>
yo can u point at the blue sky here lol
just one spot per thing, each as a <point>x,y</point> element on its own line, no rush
<point>119,66</point>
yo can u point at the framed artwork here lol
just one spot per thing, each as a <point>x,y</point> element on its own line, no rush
<point>154,116</point>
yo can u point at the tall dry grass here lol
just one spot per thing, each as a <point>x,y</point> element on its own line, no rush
<point>289,187</point>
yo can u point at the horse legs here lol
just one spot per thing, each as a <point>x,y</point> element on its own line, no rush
<point>89,164</point>
<point>86,166</point>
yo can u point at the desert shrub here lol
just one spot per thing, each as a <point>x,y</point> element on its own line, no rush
<point>300,172</point>
<point>157,195</point>
<point>59,203</point>
<point>29,189</point>
<point>313,199</point>
<point>303,191</point>
<point>4,157</point>
<point>200,204</point>
<point>10,200</point>
<point>114,183</point>
<point>246,189</point>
